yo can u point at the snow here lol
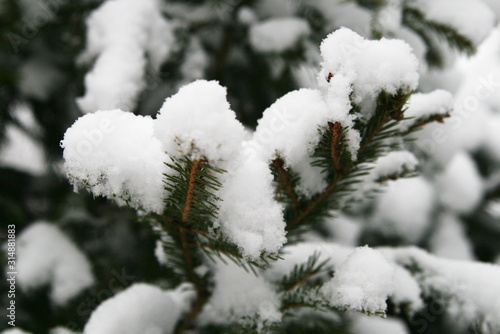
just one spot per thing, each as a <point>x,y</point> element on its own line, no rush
<point>48,257</point>
<point>406,292</point>
<point>369,66</point>
<point>363,324</point>
<point>141,308</point>
<point>278,34</point>
<point>21,151</point>
<point>470,288</point>
<point>115,154</point>
<point>198,121</point>
<point>460,187</point>
<point>14,331</point>
<point>345,230</point>
<point>449,239</point>
<point>421,106</point>
<point>471,18</point>
<point>394,164</point>
<point>404,209</point>
<point>249,216</point>
<point>238,293</point>
<point>61,330</point>
<point>362,283</point>
<point>123,35</point>
<point>289,129</point>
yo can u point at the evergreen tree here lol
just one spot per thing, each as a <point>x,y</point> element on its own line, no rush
<point>252,166</point>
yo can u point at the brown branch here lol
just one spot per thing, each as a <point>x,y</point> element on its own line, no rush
<point>284,176</point>
<point>303,279</point>
<point>337,135</point>
<point>190,191</point>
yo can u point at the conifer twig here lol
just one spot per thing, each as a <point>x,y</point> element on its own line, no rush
<point>285,178</point>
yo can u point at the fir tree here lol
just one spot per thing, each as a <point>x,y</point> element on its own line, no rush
<point>251,166</point>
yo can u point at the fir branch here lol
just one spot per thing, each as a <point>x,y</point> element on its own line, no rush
<point>287,180</point>
<point>337,135</point>
<point>389,111</point>
<point>303,272</point>
<point>415,20</point>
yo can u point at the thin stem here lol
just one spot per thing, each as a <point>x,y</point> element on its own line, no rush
<point>285,178</point>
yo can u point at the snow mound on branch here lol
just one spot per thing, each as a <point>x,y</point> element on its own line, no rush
<point>200,116</point>
<point>47,256</point>
<point>394,164</point>
<point>20,150</point>
<point>363,324</point>
<point>141,308</point>
<point>369,66</point>
<point>404,209</point>
<point>238,293</point>
<point>123,34</point>
<point>460,187</point>
<point>362,283</point>
<point>469,290</point>
<point>421,106</point>
<point>471,18</point>
<point>278,34</point>
<point>450,240</point>
<point>115,154</point>
<point>249,215</point>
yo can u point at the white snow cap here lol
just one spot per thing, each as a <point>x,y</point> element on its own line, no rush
<point>421,106</point>
<point>123,34</point>
<point>471,289</point>
<point>249,215</point>
<point>200,116</point>
<point>47,256</point>
<point>460,187</point>
<point>403,210</point>
<point>471,18</point>
<point>141,308</point>
<point>362,283</point>
<point>369,66</point>
<point>363,324</point>
<point>395,163</point>
<point>238,293</point>
<point>278,34</point>
<point>20,150</point>
<point>115,154</point>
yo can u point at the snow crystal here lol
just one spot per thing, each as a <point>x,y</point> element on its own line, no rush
<point>403,210</point>
<point>363,324</point>
<point>470,289</point>
<point>362,283</point>
<point>47,256</point>
<point>421,106</point>
<point>278,34</point>
<point>460,187</point>
<point>370,66</point>
<point>471,18</point>
<point>115,154</point>
<point>249,215</point>
<point>123,34</point>
<point>449,239</point>
<point>199,121</point>
<point>238,293</point>
<point>141,308</point>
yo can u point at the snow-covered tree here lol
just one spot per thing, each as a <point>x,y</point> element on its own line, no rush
<point>273,166</point>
